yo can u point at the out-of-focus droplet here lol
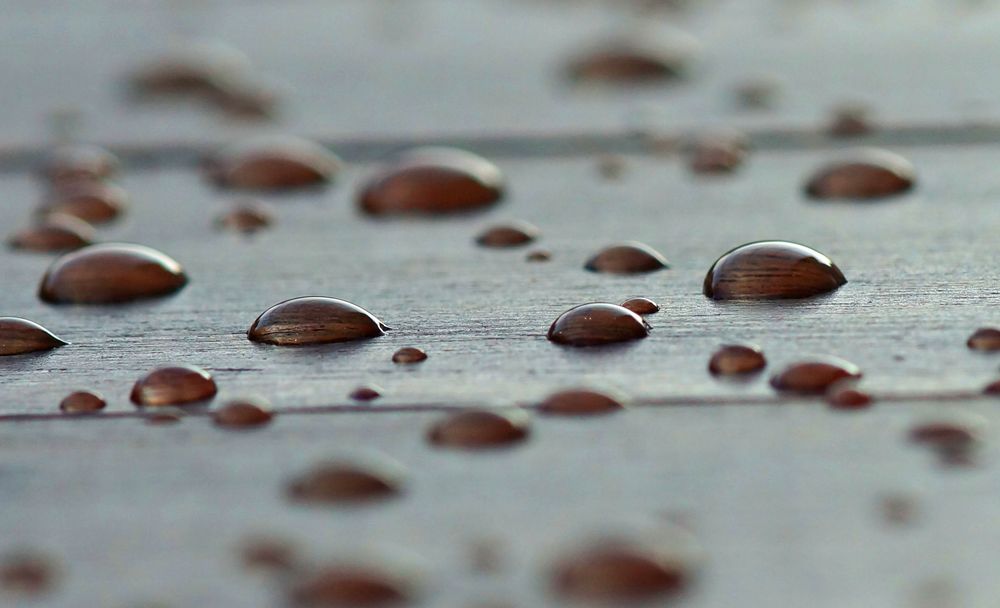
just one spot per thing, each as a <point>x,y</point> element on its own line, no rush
<point>954,441</point>
<point>366,393</point>
<point>111,273</point>
<point>737,359</point>
<point>409,354</point>
<point>597,324</point>
<point>164,416</point>
<point>347,483</point>
<point>641,306</point>
<point>866,175</point>
<point>243,414</point>
<point>245,99</point>
<point>314,320</point>
<point>850,120</point>
<point>614,571</point>
<point>54,233</point>
<point>898,509</point>
<point>512,234</point>
<point>993,388</point>
<point>758,93</point>
<point>75,162</point>
<point>579,402</point>
<point>350,585</point>
<point>627,258</point>
<point>480,429</point>
<point>175,385</point>
<point>634,62</point>
<point>269,554</point>
<point>19,336</point>
<point>273,164</point>
<point>771,270</point>
<point>539,255</point>
<point>985,338</point>
<point>91,201</point>
<point>246,217</point>
<point>82,402</point>
<point>847,398</point>
<point>27,574</point>
<point>433,181</point>
<point>718,153</point>
<point>611,166</point>
<point>194,68</point>
<point>486,556</point>
<point>815,376</point>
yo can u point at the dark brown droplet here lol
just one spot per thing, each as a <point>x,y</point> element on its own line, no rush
<point>579,402</point>
<point>771,270</point>
<point>19,336</point>
<point>91,201</point>
<point>195,68</point>
<point>82,402</point>
<point>70,163</point>
<point>351,585</point>
<point>539,255</point>
<point>479,429</point>
<point>513,234</point>
<point>433,181</point>
<point>850,120</point>
<point>871,174</point>
<point>268,553</point>
<point>346,482</point>
<point>620,572</point>
<point>176,385</point>
<point>243,414</point>
<point>409,354</point>
<point>985,338</point>
<point>631,63</point>
<point>366,393</point>
<point>111,273</point>
<point>597,324</point>
<point>273,164</point>
<point>641,306</point>
<point>993,388</point>
<point>314,320</point>
<point>955,443</point>
<point>814,377</point>
<point>733,359</point>
<point>165,416</point>
<point>718,154</point>
<point>27,574</point>
<point>846,398</point>
<point>627,258</point>
<point>54,233</point>
<point>246,217</point>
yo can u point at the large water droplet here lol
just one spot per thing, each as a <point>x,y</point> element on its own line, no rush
<point>614,571</point>
<point>345,482</point>
<point>176,385</point>
<point>433,181</point>
<point>597,324</point>
<point>771,270</point>
<point>93,202</point>
<point>512,234</point>
<point>246,217</point>
<point>72,163</point>
<point>314,320</point>
<point>732,359</point>
<point>985,338</point>
<point>82,402</point>
<point>479,429</point>
<point>111,273</point>
<point>19,336</point>
<point>54,233</point>
<point>243,414</point>
<point>409,354</point>
<point>273,164</point>
<point>579,402</point>
<point>870,174</point>
<point>627,258</point>
<point>816,376</point>
<point>641,306</point>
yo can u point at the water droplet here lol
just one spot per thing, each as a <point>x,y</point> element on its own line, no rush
<point>111,273</point>
<point>513,234</point>
<point>633,62</point>
<point>611,166</point>
<point>733,359</point>
<point>19,336</point>
<point>352,585</point>
<point>273,164</point>
<point>366,393</point>
<point>433,181</point>
<point>985,338</point>
<point>898,509</point>
<point>579,402</point>
<point>268,553</point>
<point>597,324</point>
<point>814,377</point>
<point>93,202</point>
<point>850,120</point>
<point>243,414</point>
<point>245,99</point>
<point>869,174</point>
<point>82,402</point>
<point>409,354</point>
<point>194,68</point>
<point>28,574</point>
<point>54,233</point>
<point>641,306</point>
<point>486,555</point>
<point>539,255</point>
<point>314,320</point>
<point>71,163</point>
<point>771,270</point>
<point>165,416</point>
<point>720,153</point>
<point>246,217</point>
<point>758,93</point>
<point>480,429</point>
<point>627,258</point>
<point>993,388</point>
<point>176,385</point>
<point>848,398</point>
<point>954,442</point>
<point>611,571</point>
<point>345,482</point>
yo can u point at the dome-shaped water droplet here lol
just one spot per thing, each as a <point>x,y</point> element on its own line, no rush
<point>273,164</point>
<point>736,359</point>
<point>579,402</point>
<point>814,377</point>
<point>314,320</point>
<point>176,385</point>
<point>243,414</point>
<point>246,217</point>
<point>612,571</point>
<point>409,354</point>
<point>869,174</point>
<point>19,336</point>
<point>985,338</point>
<point>512,234</point>
<point>54,233</point>
<point>366,393</point>
<point>82,402</point>
<point>352,585</point>
<point>641,306</point>
<point>846,398</point>
<point>93,202</point>
<point>850,120</point>
<point>627,258</point>
<point>196,67</point>
<point>634,62</point>
<point>70,163</point>
<point>597,324</point>
<point>479,429</point>
<point>347,482</point>
<point>111,273</point>
<point>771,270</point>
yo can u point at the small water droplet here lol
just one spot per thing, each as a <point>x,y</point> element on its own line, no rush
<point>733,359</point>
<point>954,442</point>
<point>480,429</point>
<point>539,255</point>
<point>850,120</point>
<point>486,555</point>
<point>245,99</point>
<point>366,393</point>
<point>579,402</point>
<point>269,554</point>
<point>898,509</point>
<point>54,233</point>
<point>627,258</point>
<point>633,62</point>
<point>758,93</point>
<point>513,234</point>
<point>409,354</point>
<point>74,162</point>
<point>165,416</point>
<point>814,377</point>
<point>611,571</point>
<point>771,270</point>
<point>869,174</point>
<point>611,166</point>
<point>641,306</point>
<point>82,402</point>
<point>351,585</point>
<point>175,385</point>
<point>194,68</point>
<point>246,217</point>
<point>433,181</point>
<point>845,398</point>
<point>719,153</point>
<point>111,273</point>
<point>19,336</point>
<point>93,202</point>
<point>314,320</point>
<point>27,573</point>
<point>993,388</point>
<point>243,414</point>
<point>347,482</point>
<point>596,324</point>
<point>273,164</point>
<point>985,338</point>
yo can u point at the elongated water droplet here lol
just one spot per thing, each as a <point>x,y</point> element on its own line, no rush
<point>634,62</point>
<point>111,273</point>
<point>579,402</point>
<point>597,324</point>
<point>409,354</point>
<point>513,234</point>
<point>480,429</point>
<point>641,306</point>
<point>246,217</point>
<point>993,388</point>
<point>54,233</point>
<point>243,414</point>
<point>954,441</point>
<point>175,385</point>
<point>194,68</point>
<point>985,338</point>
<point>614,571</point>
<point>269,554</point>
<point>771,270</point>
<point>82,402</point>
<point>846,398</point>
<point>366,393</point>
<point>19,336</point>
<point>627,258</point>
<point>850,120</point>
<point>352,585</point>
<point>870,174</point>
<point>539,255</point>
<point>93,202</point>
<point>27,573</point>
<point>733,359</point>
<point>70,163</point>
<point>433,181</point>
<point>314,320</point>
<point>273,164</point>
<point>347,482</point>
<point>814,377</point>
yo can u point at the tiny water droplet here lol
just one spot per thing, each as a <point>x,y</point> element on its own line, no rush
<point>611,571</point>
<point>513,234</point>
<point>351,585</point>
<point>848,399</point>
<point>314,320</point>
<point>850,120</point>
<point>111,273</point>
<point>480,429</point>
<point>175,385</point>
<point>814,377</point>
<point>74,162</point>
<point>641,306</point>
<point>627,258</point>
<point>194,68</point>
<point>539,255</point>
<point>733,359</point>
<point>164,416</point>
<point>246,217</point>
<point>93,202</point>
<point>54,233</point>
<point>347,482</point>
<point>596,324</point>
<point>19,336</point>
<point>269,554</point>
<point>27,573</point>
<point>243,414</point>
<point>771,270</point>
<point>579,402</point>
<point>273,164</point>
<point>433,181</point>
<point>869,174</point>
<point>633,63</point>
<point>82,402</point>
<point>409,354</point>
<point>720,153</point>
<point>758,93</point>
<point>366,393</point>
<point>611,166</point>
<point>985,338</point>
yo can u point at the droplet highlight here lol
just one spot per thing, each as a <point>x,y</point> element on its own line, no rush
<point>82,402</point>
<point>409,355</point>
<point>597,324</point>
<point>273,164</point>
<point>513,234</point>
<point>579,402</point>
<point>771,270</point>
<point>20,336</point>
<point>641,306</point>
<point>314,320</point>
<point>814,377</point>
<point>111,273</point>
<point>175,385</point>
<point>480,429</point>
<point>737,359</point>
<point>869,175</point>
<point>627,258</point>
